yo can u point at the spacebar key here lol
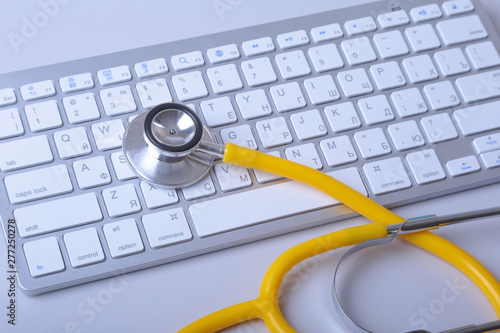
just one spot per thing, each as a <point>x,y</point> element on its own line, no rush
<point>57,214</point>
<point>266,204</point>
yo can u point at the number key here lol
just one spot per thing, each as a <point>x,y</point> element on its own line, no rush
<point>224,79</point>
<point>189,86</point>
<point>292,64</point>
<point>81,108</point>
<point>258,71</point>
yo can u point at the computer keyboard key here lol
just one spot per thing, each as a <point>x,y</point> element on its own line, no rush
<point>38,184</point>
<point>491,159</point>
<point>457,7</point>
<point>387,75</point>
<point>354,82</point>
<point>23,153</point>
<point>42,89</point>
<point>273,132</point>
<point>258,46</point>
<point>108,134</point>
<point>451,62</point>
<point>224,79</point>
<point>258,71</point>
<point>91,172</point>
<point>253,104</point>
<point>187,60</point>
<point>153,92</point>
<point>203,188</point>
<point>7,97</point>
<point>292,39</point>
<point>122,168</point>
<point>121,200</point>
<point>409,102</point>
<point>386,176</point>
<point>158,197</point>
<point>338,151</point>
<point>375,109</point>
<point>84,247</point>
<point>420,68</point>
<point>123,238</point>
<point>77,82</point>
<point>287,97</point>
<point>189,86</point>
<point>479,118</point>
<point>11,124</point>
<point>393,19</point>
<point>360,26</point>
<point>151,68</point>
<point>44,257</point>
<point>484,144</point>
<point>406,135</point>
<point>232,177</point>
<point>483,55</point>
<point>308,124</point>
<point>372,143</point>
<point>479,87</point>
<point>292,64</point>
<point>118,100</point>
<point>325,57</point>
<point>441,95</point>
<point>422,38</point>
<point>218,111</point>
<point>72,142</point>
<point>390,44</point>
<point>288,198</point>
<point>43,116</point>
<point>114,75</point>
<point>461,30</point>
<point>439,128</point>
<point>342,117</point>
<point>326,32</point>
<point>81,108</point>
<point>223,53</point>
<point>321,89</point>
<point>463,166</point>
<point>305,154</point>
<point>358,50</point>
<point>71,211</point>
<point>166,228</point>
<point>241,135</point>
<point>425,13</point>
<point>425,166</point>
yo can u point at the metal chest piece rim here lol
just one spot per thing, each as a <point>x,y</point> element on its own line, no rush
<point>165,146</point>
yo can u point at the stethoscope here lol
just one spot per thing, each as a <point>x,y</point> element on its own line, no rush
<point>170,147</point>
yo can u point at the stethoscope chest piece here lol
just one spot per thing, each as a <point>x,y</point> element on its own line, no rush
<point>169,146</point>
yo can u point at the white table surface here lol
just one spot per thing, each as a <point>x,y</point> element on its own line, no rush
<point>392,289</point>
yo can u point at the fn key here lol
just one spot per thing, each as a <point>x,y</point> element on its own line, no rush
<point>44,257</point>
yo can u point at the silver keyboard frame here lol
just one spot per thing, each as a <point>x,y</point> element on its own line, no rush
<point>150,257</point>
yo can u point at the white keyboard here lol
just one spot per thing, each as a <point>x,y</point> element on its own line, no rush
<point>402,105</point>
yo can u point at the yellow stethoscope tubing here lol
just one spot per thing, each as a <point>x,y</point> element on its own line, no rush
<point>266,306</point>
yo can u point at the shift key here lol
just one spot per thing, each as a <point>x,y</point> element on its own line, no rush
<point>69,212</point>
<point>24,153</point>
<point>37,184</point>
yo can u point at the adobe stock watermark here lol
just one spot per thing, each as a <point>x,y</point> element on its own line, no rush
<point>31,26</point>
<point>89,309</point>
<point>428,313</point>
<point>223,7</point>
